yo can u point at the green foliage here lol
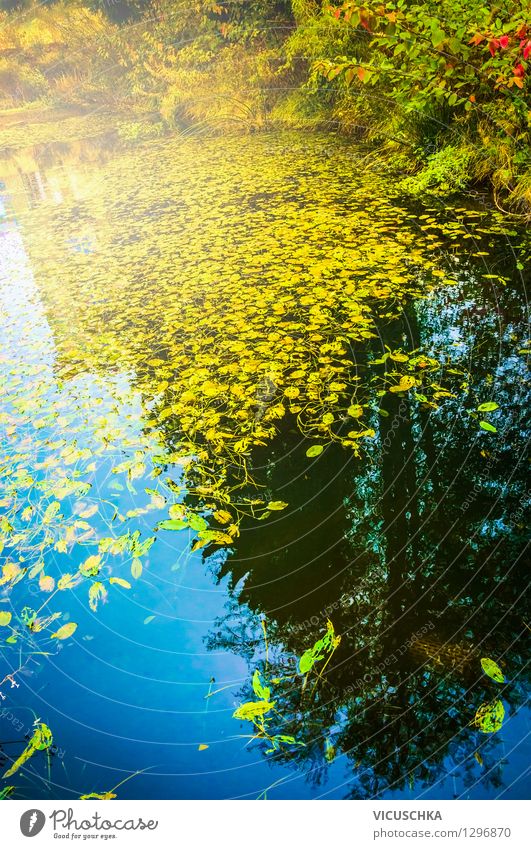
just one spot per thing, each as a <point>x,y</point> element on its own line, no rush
<point>444,173</point>
<point>454,78</point>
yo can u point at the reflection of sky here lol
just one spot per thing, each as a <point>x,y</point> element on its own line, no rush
<point>126,695</point>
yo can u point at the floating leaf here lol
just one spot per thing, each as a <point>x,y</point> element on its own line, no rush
<point>172,525</point>
<point>65,631</point>
<point>488,426</point>
<point>314,450</point>
<point>492,669</point>
<point>148,619</point>
<point>5,618</point>
<point>489,717</point>
<point>308,659</point>
<point>488,407</point>
<point>276,505</point>
<point>66,582</point>
<point>359,434</point>
<point>46,583</point>
<point>50,512</point>
<point>202,747</point>
<point>406,382</point>
<point>136,568</point>
<point>330,752</point>
<point>120,582</point>
<point>97,592</point>
<point>108,795</point>
<point>252,710</point>
<point>41,739</point>
<point>11,573</point>
<point>259,689</point>
<point>91,567</point>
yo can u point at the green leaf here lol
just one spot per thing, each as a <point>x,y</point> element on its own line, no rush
<point>197,523</point>
<point>261,691</point>
<point>172,525</point>
<point>276,505</point>
<point>489,717</point>
<point>139,549</point>
<point>314,450</point>
<point>492,669</point>
<point>42,739</point>
<point>488,426</point>
<point>488,407</point>
<point>437,36</point>
<point>308,659</point>
<point>148,619</point>
<point>251,710</point>
<point>5,617</point>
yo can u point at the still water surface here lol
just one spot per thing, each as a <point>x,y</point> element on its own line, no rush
<point>180,324</point>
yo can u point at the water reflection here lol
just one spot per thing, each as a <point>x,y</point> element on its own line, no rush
<point>413,546</point>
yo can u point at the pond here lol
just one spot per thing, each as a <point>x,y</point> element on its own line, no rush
<point>263,476</point>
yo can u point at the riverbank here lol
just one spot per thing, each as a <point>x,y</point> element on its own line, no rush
<point>444,112</point>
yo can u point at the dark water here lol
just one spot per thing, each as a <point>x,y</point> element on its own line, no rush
<point>414,546</point>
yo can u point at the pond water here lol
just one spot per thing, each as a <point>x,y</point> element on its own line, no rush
<point>240,387</point>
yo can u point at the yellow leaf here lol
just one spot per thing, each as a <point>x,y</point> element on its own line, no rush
<point>276,505</point>
<point>120,582</point>
<point>46,583</point>
<point>91,567</point>
<point>65,631</point>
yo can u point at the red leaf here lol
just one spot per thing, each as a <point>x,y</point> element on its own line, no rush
<point>519,70</point>
<point>504,41</point>
<point>493,46</point>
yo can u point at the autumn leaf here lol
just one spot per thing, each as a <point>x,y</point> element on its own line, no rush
<point>97,593</point>
<point>64,631</point>
<point>120,582</point>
